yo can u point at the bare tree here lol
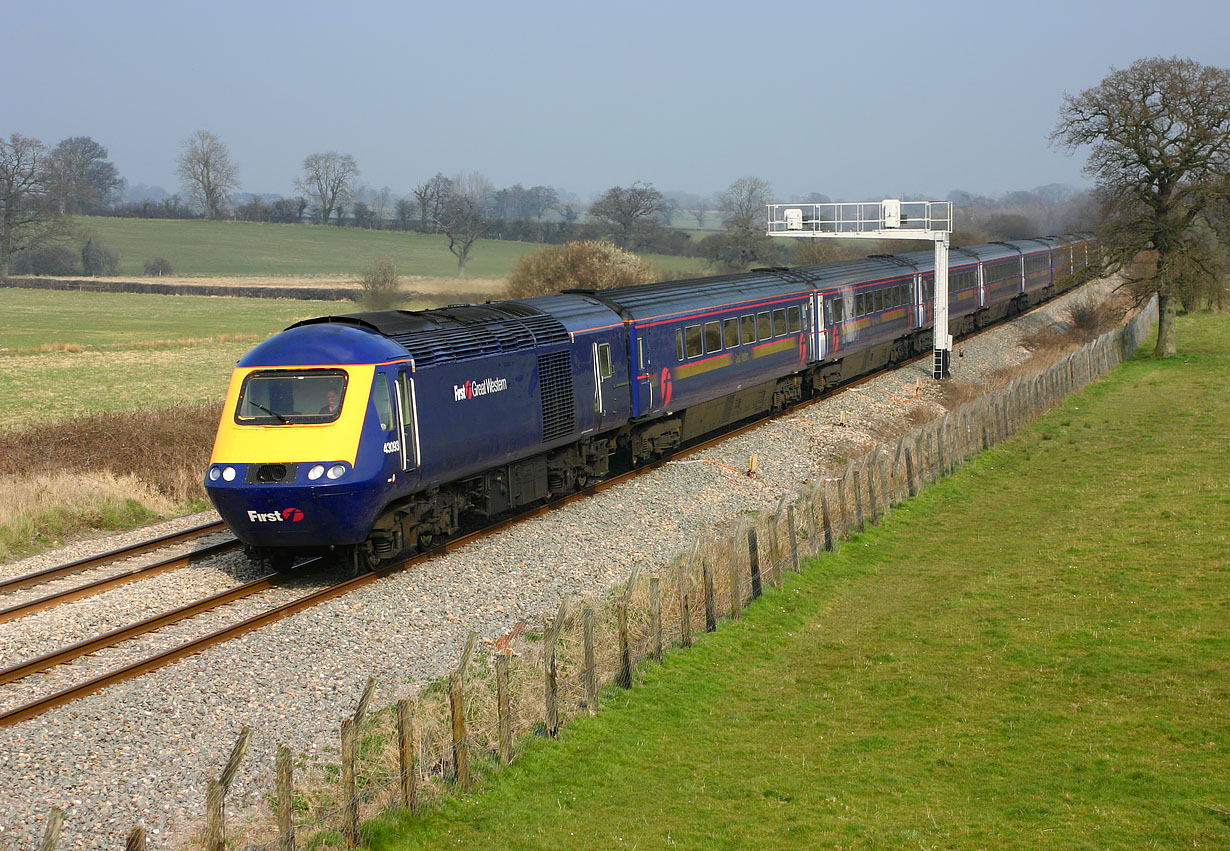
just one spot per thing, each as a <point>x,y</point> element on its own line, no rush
<point>1160,137</point>
<point>430,196</point>
<point>743,205</point>
<point>463,215</point>
<point>627,210</point>
<point>328,179</point>
<point>81,179</point>
<point>29,216</point>
<point>207,171</point>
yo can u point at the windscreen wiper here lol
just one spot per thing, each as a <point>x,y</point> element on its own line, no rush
<point>267,411</point>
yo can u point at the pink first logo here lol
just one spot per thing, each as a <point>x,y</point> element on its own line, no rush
<point>294,515</point>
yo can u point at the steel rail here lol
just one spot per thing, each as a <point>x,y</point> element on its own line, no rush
<point>82,564</point>
<point>98,586</point>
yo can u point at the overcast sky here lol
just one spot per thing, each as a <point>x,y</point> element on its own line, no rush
<point>858,100</point>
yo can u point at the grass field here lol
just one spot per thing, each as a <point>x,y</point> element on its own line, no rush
<point>245,249</point>
<point>1034,653</point>
<point>123,351</point>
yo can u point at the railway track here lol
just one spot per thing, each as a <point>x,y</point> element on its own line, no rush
<point>40,577</point>
<point>242,627</point>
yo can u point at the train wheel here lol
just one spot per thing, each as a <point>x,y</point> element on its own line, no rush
<point>281,560</point>
<point>360,558</point>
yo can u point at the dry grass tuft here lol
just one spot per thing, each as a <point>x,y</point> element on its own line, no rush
<point>166,450</point>
<point>954,394</point>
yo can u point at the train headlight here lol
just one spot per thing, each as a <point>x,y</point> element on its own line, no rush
<point>228,473</point>
<point>316,472</point>
<point>337,471</point>
<point>214,474</point>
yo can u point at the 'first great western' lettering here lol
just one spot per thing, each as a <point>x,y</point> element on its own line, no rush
<point>470,389</point>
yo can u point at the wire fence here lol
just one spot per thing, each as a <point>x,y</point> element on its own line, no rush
<point>533,680</point>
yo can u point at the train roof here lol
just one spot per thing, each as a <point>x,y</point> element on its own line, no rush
<point>645,301</point>
<point>457,332</point>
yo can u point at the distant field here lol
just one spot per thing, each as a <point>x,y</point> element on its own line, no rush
<point>41,319</point>
<point>67,353</point>
<point>1033,654</point>
<point>251,249</point>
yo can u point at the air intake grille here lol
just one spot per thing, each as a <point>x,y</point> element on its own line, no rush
<point>555,381</point>
<point>482,340</point>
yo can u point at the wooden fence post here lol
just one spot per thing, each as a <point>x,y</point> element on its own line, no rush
<point>552,685</point>
<point>591,659</point>
<point>625,647</point>
<point>215,815</point>
<point>813,524</point>
<point>794,539</point>
<point>826,518</point>
<point>885,485</point>
<point>685,607</point>
<point>655,615</point>
<point>869,471</point>
<point>136,839</point>
<point>503,708</point>
<point>215,794</point>
<point>942,453</point>
<point>843,510</point>
<point>350,786</point>
<point>51,836</point>
<point>753,553</point>
<point>858,500</point>
<point>710,602</point>
<point>286,798</point>
<point>461,753</point>
<point>736,587</point>
<point>406,753</point>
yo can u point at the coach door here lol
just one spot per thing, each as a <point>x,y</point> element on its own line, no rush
<point>820,335</point>
<point>407,420</point>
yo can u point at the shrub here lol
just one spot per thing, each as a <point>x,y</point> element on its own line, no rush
<point>381,289</point>
<point>53,260</point>
<point>97,259</point>
<point>158,266</point>
<point>1091,316</point>
<point>586,264</point>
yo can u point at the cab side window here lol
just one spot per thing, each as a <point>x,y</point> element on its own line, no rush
<point>383,401</point>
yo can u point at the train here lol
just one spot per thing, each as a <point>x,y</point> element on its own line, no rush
<point>377,433</point>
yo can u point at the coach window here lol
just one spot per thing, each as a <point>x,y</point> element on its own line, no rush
<point>858,305</point>
<point>604,361</point>
<point>679,343</point>
<point>692,334</point>
<point>879,300</point>
<point>779,322</point>
<point>730,331</point>
<point>640,353</point>
<point>837,304</point>
<point>795,317</point>
<point>748,324</point>
<point>764,327</point>
<point>713,337</point>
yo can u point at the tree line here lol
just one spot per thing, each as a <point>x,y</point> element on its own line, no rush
<point>1158,132</point>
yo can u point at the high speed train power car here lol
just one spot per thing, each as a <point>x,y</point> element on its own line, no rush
<point>376,433</point>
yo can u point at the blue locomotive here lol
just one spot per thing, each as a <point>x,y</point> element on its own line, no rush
<point>376,433</point>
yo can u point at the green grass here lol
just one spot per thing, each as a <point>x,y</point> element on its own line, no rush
<point>139,351</point>
<point>237,249</point>
<point>40,318</point>
<point>1034,653</point>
